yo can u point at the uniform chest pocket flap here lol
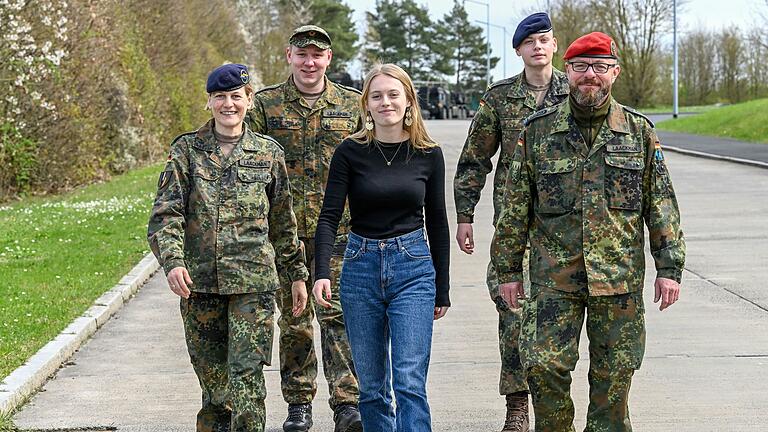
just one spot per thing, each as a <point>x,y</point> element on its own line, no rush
<point>252,175</point>
<point>623,181</point>
<point>284,123</point>
<point>339,124</point>
<point>556,185</point>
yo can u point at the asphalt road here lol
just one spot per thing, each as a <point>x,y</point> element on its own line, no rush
<point>704,370</point>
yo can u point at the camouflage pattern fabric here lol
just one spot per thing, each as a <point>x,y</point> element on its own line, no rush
<point>582,209</point>
<point>227,220</point>
<point>495,128</point>
<point>497,125</point>
<point>229,339</point>
<point>309,136</point>
<point>298,363</point>
<point>550,349</point>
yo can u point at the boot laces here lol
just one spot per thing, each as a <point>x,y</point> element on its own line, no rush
<point>296,412</point>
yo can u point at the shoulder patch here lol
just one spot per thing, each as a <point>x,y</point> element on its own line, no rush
<point>638,113</point>
<point>540,113</point>
<point>499,83</point>
<point>270,139</point>
<point>347,88</point>
<point>270,87</point>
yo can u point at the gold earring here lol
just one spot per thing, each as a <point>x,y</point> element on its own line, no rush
<point>408,117</point>
<point>368,122</point>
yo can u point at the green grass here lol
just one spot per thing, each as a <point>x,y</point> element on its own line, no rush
<point>58,254</point>
<point>746,121</point>
<point>665,109</point>
<point>6,423</point>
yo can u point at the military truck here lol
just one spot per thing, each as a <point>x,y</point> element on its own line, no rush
<point>437,102</point>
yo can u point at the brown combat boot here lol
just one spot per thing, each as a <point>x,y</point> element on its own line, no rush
<point>517,413</point>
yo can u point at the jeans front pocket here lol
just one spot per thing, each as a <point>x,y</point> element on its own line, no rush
<point>417,250</point>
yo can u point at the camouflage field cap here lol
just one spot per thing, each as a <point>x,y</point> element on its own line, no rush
<point>310,35</point>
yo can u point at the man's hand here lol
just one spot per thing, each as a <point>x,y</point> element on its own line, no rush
<point>440,312</point>
<point>322,292</point>
<point>299,295</point>
<point>466,238</point>
<point>510,292</point>
<point>668,291</point>
<point>179,281</point>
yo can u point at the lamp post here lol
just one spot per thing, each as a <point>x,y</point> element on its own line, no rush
<point>674,50</point>
<point>504,43</point>
<point>487,38</point>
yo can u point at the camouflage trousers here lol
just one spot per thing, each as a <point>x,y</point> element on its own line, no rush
<point>549,347</point>
<point>512,377</point>
<point>298,362</point>
<point>229,339</point>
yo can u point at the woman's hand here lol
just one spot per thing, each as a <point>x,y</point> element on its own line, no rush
<point>299,294</point>
<point>179,281</point>
<point>322,292</point>
<point>440,312</point>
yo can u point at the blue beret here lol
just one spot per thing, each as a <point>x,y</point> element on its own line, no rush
<point>536,23</point>
<point>227,78</point>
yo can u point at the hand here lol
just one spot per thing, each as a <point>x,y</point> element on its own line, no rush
<point>179,281</point>
<point>466,238</point>
<point>322,292</point>
<point>668,291</point>
<point>299,294</point>
<point>440,312</point>
<point>510,292</point>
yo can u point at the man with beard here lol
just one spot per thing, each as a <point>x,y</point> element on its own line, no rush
<point>495,128</point>
<point>586,175</point>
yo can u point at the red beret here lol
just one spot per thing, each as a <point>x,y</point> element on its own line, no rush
<point>594,44</point>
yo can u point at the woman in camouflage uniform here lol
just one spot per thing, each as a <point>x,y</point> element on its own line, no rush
<point>221,222</point>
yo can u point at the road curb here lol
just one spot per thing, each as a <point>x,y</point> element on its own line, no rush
<point>29,377</point>
<point>716,157</point>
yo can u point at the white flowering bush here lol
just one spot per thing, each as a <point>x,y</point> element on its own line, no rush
<point>33,40</point>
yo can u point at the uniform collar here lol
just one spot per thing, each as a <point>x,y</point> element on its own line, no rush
<point>330,95</point>
<point>518,89</point>
<point>205,140</point>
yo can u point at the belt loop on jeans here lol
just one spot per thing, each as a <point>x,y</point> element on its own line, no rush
<point>399,241</point>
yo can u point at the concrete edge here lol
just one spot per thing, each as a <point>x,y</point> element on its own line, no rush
<point>716,157</point>
<point>23,382</point>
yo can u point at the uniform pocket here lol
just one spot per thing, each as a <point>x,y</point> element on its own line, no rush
<point>623,181</point>
<point>555,185</point>
<point>252,196</point>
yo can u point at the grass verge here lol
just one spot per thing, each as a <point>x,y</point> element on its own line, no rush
<point>667,109</point>
<point>59,254</point>
<point>745,121</point>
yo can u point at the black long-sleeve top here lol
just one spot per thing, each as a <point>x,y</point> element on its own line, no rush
<point>387,201</point>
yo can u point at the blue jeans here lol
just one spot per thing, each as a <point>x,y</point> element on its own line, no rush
<point>388,298</point>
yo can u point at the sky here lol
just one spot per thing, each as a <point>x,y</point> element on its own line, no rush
<point>693,14</point>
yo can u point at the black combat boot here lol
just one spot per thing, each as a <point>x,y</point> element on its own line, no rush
<point>299,418</point>
<point>517,413</point>
<point>347,419</point>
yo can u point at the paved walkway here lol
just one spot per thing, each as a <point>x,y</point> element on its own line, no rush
<point>704,370</point>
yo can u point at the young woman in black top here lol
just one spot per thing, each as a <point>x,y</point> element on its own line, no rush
<point>393,284</point>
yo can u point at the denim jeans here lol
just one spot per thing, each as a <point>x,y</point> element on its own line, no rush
<point>388,298</point>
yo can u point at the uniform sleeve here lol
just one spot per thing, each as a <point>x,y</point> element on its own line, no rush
<point>256,118</point>
<point>511,234</point>
<point>167,221</point>
<point>661,213</point>
<point>336,191</point>
<point>436,222</point>
<point>475,161</point>
<point>289,251</point>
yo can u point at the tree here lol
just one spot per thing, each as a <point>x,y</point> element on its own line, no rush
<point>637,27</point>
<point>336,18</point>
<point>729,54</point>
<point>570,19</point>
<point>697,70</point>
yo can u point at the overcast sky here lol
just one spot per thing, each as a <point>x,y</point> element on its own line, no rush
<point>712,14</point>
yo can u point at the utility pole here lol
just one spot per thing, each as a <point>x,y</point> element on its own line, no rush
<point>674,50</point>
<point>487,38</point>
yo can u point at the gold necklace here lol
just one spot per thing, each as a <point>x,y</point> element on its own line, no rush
<point>388,161</point>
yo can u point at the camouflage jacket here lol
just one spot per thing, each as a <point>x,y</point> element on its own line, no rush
<point>582,209</point>
<point>309,137</point>
<point>497,124</point>
<point>226,219</point>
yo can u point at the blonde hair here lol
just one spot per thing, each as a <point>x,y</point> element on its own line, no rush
<point>419,136</point>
